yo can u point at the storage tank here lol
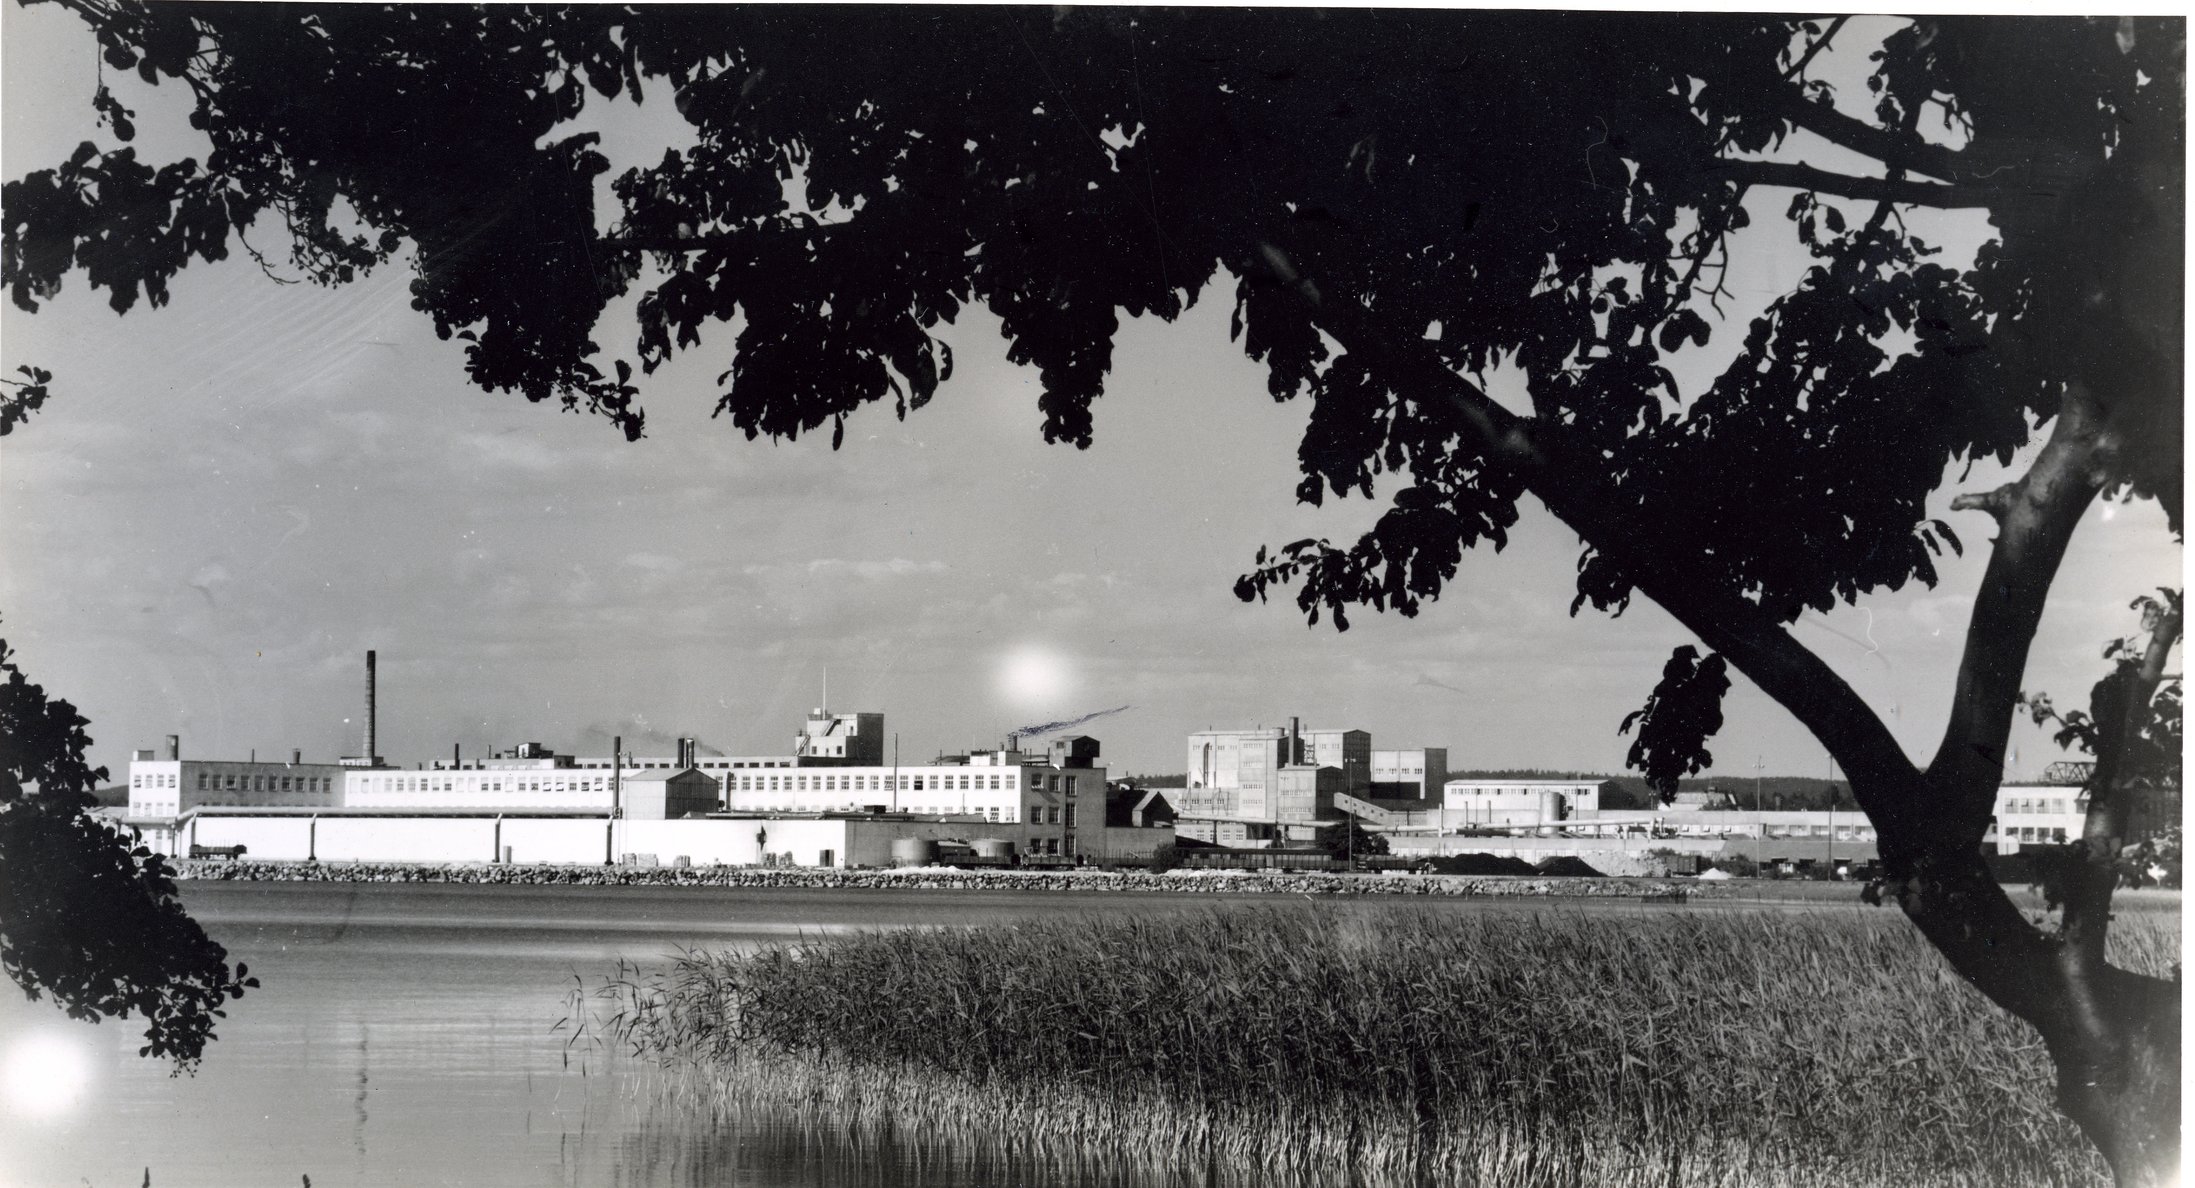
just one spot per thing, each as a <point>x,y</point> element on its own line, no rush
<point>993,849</point>
<point>914,851</point>
<point>1550,805</point>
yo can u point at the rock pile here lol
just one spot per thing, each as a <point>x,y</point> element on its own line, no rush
<point>926,879</point>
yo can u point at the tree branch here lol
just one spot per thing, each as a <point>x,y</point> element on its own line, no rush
<point>1894,149</point>
<point>1748,636</point>
<point>1802,176</point>
<point>1820,43</point>
<point>2111,792</point>
<point>2036,515</point>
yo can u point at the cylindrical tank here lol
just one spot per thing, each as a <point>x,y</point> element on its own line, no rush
<point>993,849</point>
<point>914,851</point>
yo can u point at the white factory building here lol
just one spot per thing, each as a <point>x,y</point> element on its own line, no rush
<point>1270,784</point>
<point>1048,804</point>
<point>1471,803</point>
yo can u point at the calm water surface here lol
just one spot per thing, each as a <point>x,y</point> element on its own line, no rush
<point>402,1035</point>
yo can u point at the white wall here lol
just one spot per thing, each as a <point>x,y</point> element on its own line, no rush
<point>261,837</point>
<point>406,839</point>
<point>557,839</point>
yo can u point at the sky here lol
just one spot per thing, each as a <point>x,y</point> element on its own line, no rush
<point>229,500</point>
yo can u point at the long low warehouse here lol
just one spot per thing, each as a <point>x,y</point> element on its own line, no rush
<point>840,840</point>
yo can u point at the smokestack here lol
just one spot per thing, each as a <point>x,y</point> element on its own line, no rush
<point>617,771</point>
<point>685,753</point>
<point>296,757</point>
<point>370,752</point>
<point>175,746</point>
<point>1295,740</point>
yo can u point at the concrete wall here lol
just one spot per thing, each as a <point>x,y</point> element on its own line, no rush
<point>261,837</point>
<point>558,839</point>
<point>585,841</point>
<point>405,839</point>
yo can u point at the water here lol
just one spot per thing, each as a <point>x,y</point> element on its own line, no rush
<point>402,1035</point>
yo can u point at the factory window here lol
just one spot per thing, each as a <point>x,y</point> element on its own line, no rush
<point>285,783</point>
<point>2057,835</point>
<point>137,781</point>
<point>1070,815</point>
<point>228,783</point>
<point>918,783</point>
<point>991,813</point>
<point>201,781</point>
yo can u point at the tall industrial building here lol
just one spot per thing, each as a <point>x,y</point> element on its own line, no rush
<point>1415,774</point>
<point>1270,784</point>
<point>856,739</point>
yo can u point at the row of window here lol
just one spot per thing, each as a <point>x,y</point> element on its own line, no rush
<point>207,782</point>
<point>2037,804</point>
<point>828,781</point>
<point>515,782</point>
<point>638,764</point>
<point>2035,833</point>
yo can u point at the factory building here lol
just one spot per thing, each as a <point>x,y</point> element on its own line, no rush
<point>2055,810</point>
<point>1417,774</point>
<point>1054,795</point>
<point>163,786</point>
<point>825,740</point>
<point>855,740</point>
<point>1469,804</point>
<point>1270,784</point>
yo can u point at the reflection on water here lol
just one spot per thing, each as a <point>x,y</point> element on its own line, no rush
<point>402,1035</point>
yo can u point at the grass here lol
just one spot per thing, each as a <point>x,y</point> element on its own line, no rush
<point>1329,1041</point>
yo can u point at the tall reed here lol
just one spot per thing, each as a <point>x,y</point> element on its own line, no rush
<point>1560,1047</point>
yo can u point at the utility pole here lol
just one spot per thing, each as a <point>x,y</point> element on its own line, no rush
<point>1830,849</point>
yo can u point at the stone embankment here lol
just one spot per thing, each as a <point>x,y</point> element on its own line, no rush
<point>939,878</point>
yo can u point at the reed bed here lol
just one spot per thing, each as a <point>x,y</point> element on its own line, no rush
<point>1328,1041</point>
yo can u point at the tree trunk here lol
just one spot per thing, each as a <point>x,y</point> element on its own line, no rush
<point>2113,1036</point>
<point>2120,1081</point>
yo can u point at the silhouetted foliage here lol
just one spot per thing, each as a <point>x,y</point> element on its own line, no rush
<point>2153,750</point>
<point>1407,207</point>
<point>87,917</point>
<point>1684,711</point>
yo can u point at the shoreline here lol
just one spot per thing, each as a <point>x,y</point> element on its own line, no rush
<point>946,878</point>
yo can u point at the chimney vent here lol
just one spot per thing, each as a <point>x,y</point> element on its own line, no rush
<point>370,740</point>
<point>175,746</point>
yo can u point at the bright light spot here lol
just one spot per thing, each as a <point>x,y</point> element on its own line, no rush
<point>42,1074</point>
<point>1034,674</point>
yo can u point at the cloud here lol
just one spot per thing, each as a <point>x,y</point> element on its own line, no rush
<point>869,571</point>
